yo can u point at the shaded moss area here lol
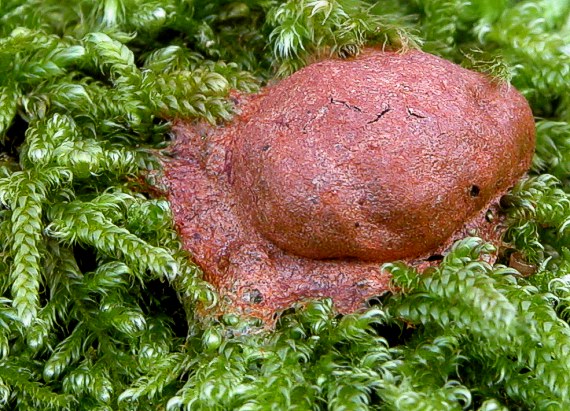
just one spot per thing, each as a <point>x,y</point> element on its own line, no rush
<point>100,309</point>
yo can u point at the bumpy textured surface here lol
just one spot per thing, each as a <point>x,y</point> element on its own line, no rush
<point>379,158</point>
<point>340,167</point>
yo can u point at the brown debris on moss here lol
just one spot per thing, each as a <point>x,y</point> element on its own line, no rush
<point>343,166</point>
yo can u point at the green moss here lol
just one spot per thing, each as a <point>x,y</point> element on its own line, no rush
<point>97,305</point>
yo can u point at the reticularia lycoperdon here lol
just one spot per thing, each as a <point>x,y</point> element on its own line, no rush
<point>342,166</point>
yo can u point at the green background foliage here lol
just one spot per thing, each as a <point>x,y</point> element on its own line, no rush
<point>97,298</point>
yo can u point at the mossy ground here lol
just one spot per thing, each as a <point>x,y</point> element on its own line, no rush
<point>98,300</point>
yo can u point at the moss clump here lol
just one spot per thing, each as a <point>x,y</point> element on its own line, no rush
<point>92,271</point>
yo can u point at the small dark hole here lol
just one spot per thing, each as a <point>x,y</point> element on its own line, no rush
<point>356,225</point>
<point>255,296</point>
<point>435,257</point>
<point>265,147</point>
<point>507,201</point>
<point>374,301</point>
<point>475,190</point>
<point>284,317</point>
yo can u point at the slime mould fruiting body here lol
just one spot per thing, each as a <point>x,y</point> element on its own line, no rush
<point>341,167</point>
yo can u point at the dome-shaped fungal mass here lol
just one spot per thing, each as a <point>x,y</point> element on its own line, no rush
<point>380,158</point>
<point>343,165</point>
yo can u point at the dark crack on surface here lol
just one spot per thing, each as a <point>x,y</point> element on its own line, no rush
<point>379,116</point>
<point>344,103</point>
<point>414,113</point>
<point>314,116</point>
